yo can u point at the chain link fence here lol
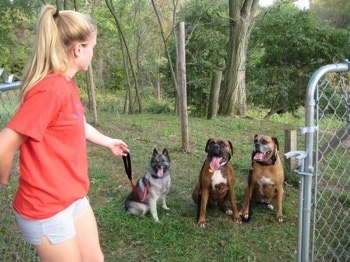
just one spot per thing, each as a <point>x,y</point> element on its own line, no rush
<point>12,245</point>
<point>324,200</point>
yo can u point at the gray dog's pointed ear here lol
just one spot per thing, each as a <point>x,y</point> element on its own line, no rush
<point>165,152</point>
<point>155,152</point>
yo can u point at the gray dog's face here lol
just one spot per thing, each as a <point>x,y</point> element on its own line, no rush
<point>160,163</point>
<point>264,147</point>
<point>219,152</point>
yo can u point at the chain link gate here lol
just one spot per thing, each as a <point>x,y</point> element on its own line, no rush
<point>324,170</point>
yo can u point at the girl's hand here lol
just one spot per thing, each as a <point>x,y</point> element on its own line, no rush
<point>118,147</point>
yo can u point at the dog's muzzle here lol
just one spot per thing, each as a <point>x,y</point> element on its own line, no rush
<point>217,157</point>
<point>260,151</point>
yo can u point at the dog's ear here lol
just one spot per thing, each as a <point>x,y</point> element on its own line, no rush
<point>231,147</point>
<point>274,139</point>
<point>207,145</point>
<point>165,152</point>
<point>155,152</point>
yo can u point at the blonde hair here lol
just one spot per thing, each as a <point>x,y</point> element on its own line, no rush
<point>57,32</point>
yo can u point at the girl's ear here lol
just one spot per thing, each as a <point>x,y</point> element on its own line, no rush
<point>77,50</point>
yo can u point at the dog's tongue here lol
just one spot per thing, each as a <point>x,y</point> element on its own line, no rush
<point>160,172</point>
<point>259,156</point>
<point>215,163</point>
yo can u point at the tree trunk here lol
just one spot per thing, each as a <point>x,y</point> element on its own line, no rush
<point>91,87</point>
<point>89,78</point>
<point>214,94</point>
<point>138,97</point>
<point>172,71</point>
<point>242,19</point>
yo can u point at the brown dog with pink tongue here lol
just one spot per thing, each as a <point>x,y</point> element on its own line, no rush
<point>265,178</point>
<point>216,181</point>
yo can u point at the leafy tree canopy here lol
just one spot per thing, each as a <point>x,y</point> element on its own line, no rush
<point>335,13</point>
<point>207,36</point>
<point>287,46</point>
<point>16,25</point>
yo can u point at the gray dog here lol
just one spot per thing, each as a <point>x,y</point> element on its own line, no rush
<point>152,187</point>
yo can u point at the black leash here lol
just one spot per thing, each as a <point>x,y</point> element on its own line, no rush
<point>127,166</point>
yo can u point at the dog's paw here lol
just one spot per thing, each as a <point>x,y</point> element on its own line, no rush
<point>244,217</point>
<point>202,224</point>
<point>279,219</point>
<point>269,206</point>
<point>229,212</point>
<point>165,207</point>
<point>237,219</point>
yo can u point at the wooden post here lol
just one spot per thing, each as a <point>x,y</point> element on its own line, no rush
<point>181,76</point>
<point>290,144</point>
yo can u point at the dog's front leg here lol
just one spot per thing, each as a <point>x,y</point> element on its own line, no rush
<point>153,209</point>
<point>164,203</point>
<point>235,214</point>
<point>280,192</point>
<point>248,194</point>
<point>203,208</point>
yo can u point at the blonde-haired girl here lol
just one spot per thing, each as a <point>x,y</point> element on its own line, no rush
<point>49,127</point>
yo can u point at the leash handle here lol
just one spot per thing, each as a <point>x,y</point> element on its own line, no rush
<point>127,165</point>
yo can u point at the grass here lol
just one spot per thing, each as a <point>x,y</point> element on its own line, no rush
<point>177,237</point>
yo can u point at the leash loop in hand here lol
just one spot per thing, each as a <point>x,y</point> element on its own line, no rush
<point>127,165</point>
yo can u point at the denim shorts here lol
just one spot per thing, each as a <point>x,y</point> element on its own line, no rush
<point>58,228</point>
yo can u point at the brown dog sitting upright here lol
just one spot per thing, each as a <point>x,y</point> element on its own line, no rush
<point>265,178</point>
<point>216,181</point>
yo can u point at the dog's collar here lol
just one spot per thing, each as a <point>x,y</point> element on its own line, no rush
<point>147,177</point>
<point>270,162</point>
<point>156,177</point>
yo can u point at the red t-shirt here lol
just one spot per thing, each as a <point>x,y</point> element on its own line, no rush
<point>53,160</point>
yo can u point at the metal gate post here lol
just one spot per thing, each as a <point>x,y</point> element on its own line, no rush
<point>300,157</point>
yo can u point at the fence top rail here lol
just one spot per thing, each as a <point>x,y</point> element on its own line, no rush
<point>10,86</point>
<point>333,68</point>
<point>9,82</point>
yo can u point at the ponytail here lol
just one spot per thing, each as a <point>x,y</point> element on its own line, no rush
<point>57,32</point>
